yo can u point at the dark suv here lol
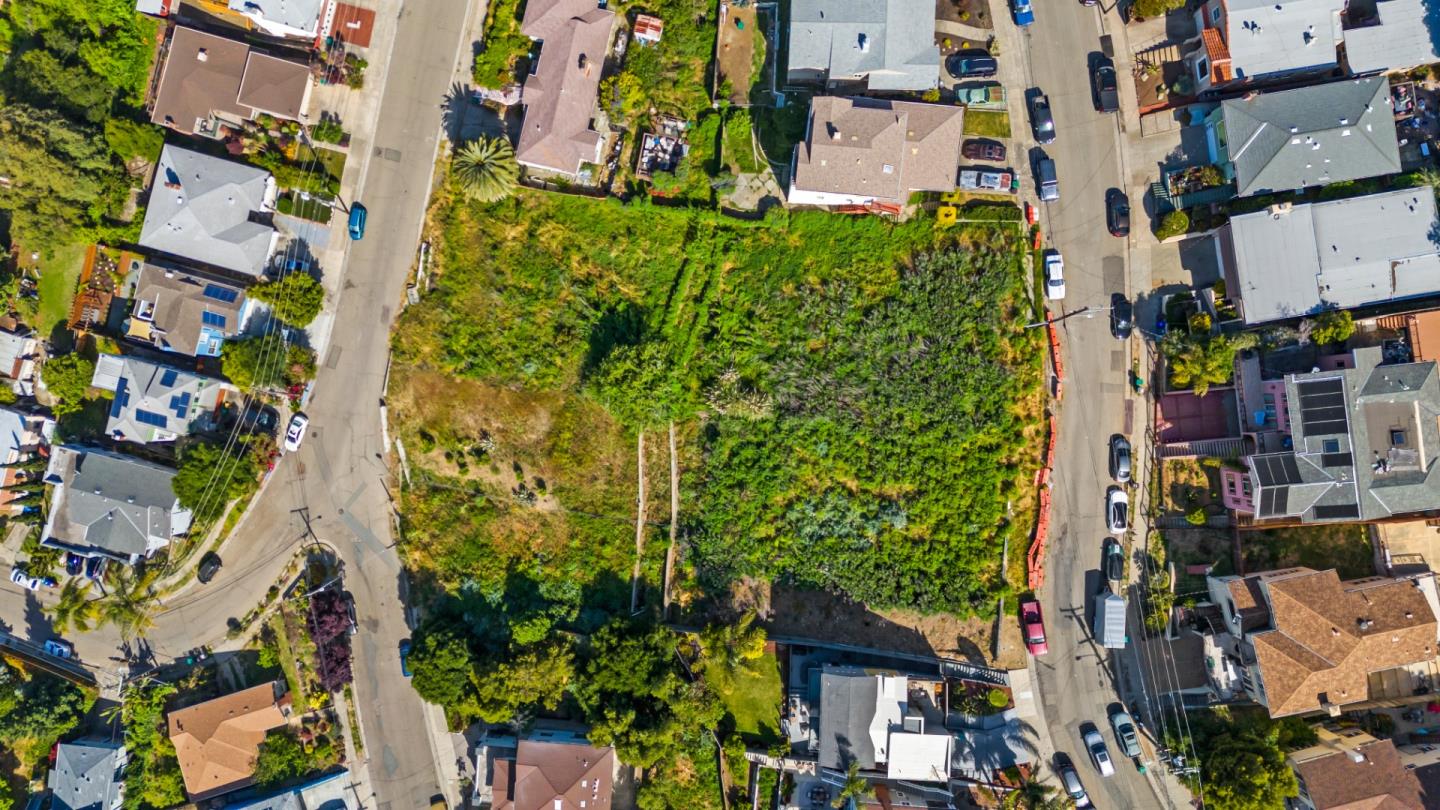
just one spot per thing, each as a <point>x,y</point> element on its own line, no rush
<point>1042,121</point>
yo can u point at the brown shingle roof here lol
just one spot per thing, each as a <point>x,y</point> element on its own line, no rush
<point>205,74</point>
<point>1380,781</point>
<point>1329,636</point>
<point>216,741</point>
<point>559,97</point>
<point>180,305</point>
<point>555,776</point>
<point>881,149</point>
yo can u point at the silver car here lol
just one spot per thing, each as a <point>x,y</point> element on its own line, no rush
<point>1099,754</point>
<point>1125,734</point>
<point>1073,787</point>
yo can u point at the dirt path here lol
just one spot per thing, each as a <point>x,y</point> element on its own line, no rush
<point>639,522</point>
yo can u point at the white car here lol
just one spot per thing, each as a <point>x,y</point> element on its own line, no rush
<point>296,432</point>
<point>1054,276</point>
<point>1095,744</point>
<point>1117,510</point>
<point>24,580</point>
<point>59,648</point>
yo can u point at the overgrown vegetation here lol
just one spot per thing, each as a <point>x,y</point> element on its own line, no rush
<point>35,710</point>
<point>1198,361</point>
<point>295,299</point>
<point>504,45</point>
<point>210,476</point>
<point>152,775</point>
<point>266,362</point>
<point>668,76</point>
<point>1242,757</point>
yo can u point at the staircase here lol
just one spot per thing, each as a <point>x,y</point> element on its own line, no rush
<point>1204,448</point>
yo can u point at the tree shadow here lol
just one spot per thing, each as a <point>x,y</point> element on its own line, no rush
<point>620,325</point>
<point>38,627</point>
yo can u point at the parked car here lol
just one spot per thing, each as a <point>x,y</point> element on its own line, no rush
<point>95,567</point>
<point>405,657</point>
<point>1125,734</point>
<point>983,150</point>
<point>59,648</point>
<point>1046,179</point>
<point>1105,86</point>
<point>295,434</point>
<point>972,65</point>
<point>1117,212</point>
<point>24,580</point>
<point>1120,458</point>
<point>1122,316</point>
<point>1042,120</point>
<point>209,566</point>
<point>1054,276</point>
<point>1117,510</point>
<point>257,418</point>
<point>357,221</point>
<point>74,563</point>
<point>1024,14</point>
<point>350,609</point>
<point>989,93</point>
<point>1099,754</point>
<point>1112,560</point>
<point>991,182</point>
<point>1032,622</point>
<point>1070,780</point>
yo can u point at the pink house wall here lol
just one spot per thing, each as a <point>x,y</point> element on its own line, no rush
<point>1235,490</point>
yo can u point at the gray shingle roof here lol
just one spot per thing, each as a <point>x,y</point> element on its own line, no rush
<point>1311,136</point>
<point>112,505</point>
<point>847,705</point>
<point>890,44</point>
<point>84,775</point>
<point>211,211</point>
<point>1338,254</point>
<point>154,402</point>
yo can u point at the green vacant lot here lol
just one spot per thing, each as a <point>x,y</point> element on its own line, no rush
<point>856,401</point>
<point>987,123</point>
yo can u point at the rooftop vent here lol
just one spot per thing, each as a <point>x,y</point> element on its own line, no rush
<point>864,44</point>
<point>201,55</point>
<point>1364,624</point>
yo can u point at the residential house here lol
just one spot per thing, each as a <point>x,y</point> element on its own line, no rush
<point>1389,35</point>
<point>208,80</point>
<point>1305,642</point>
<point>859,151</point>
<point>88,775</point>
<point>329,792</point>
<point>295,19</point>
<point>156,8</point>
<point>22,435</point>
<point>157,403</point>
<point>185,312</point>
<point>1308,136</point>
<point>552,768</point>
<point>558,134</point>
<point>216,742</point>
<point>211,211</point>
<point>19,349</point>
<point>878,719</point>
<point>1249,41</point>
<point>1357,440</point>
<point>1290,261</point>
<point>887,45</point>
<point>1348,769</point>
<point>104,504</point>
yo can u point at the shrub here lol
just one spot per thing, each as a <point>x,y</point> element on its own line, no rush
<point>1196,516</point>
<point>997,698</point>
<point>1335,326</point>
<point>1175,223</point>
<point>1154,8</point>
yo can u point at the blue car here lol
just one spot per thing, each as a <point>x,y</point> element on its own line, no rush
<point>405,657</point>
<point>1024,15</point>
<point>357,221</point>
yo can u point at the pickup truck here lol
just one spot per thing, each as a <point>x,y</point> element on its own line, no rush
<point>985,181</point>
<point>981,95</point>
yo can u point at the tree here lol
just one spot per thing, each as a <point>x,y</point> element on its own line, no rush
<point>1175,222</point>
<point>74,609</point>
<point>855,787</point>
<point>40,78</point>
<point>41,708</point>
<point>486,169</point>
<point>295,299</point>
<point>1149,9</point>
<point>1204,361</point>
<point>129,607</point>
<point>209,477</point>
<point>1332,326</point>
<point>1242,757</point>
<point>67,377</point>
<point>442,668</point>
<point>62,178</point>
<point>266,362</point>
<point>131,140</point>
<point>732,646</point>
<point>281,757</point>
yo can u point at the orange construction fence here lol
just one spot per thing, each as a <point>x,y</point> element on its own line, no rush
<point>1035,558</point>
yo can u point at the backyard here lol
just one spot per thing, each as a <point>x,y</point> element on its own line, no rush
<point>1344,547</point>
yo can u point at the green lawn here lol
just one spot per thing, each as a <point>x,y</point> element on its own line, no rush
<point>752,699</point>
<point>59,276</point>
<point>987,123</point>
<point>287,661</point>
<point>333,161</point>
<point>1345,548</point>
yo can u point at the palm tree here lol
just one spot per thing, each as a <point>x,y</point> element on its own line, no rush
<point>130,607</point>
<point>486,169</point>
<point>856,787</point>
<point>733,645</point>
<point>75,609</point>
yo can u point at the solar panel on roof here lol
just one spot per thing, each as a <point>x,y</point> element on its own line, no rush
<point>1276,468</point>
<point>169,376</point>
<point>180,404</point>
<point>1274,501</point>
<point>213,319</point>
<point>148,418</point>
<point>1322,406</point>
<point>1344,511</point>
<point>222,294</point>
<point>1336,460</point>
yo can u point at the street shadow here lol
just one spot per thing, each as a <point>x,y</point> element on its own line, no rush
<point>38,627</point>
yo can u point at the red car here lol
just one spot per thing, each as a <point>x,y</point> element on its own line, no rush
<point>991,151</point>
<point>1033,625</point>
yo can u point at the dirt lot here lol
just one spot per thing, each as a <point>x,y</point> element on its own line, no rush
<point>970,12</point>
<point>737,49</point>
<point>827,617</point>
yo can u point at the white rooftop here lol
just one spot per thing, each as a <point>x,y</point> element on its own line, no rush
<point>1403,39</point>
<point>1268,37</point>
<point>892,694</point>
<point>919,757</point>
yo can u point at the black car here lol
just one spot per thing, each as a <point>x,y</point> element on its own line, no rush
<point>209,566</point>
<point>983,150</point>
<point>1113,560</point>
<point>1106,86</point>
<point>1117,213</point>
<point>972,65</point>
<point>1122,316</point>
<point>1041,119</point>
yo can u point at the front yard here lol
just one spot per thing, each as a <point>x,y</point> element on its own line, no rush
<point>987,123</point>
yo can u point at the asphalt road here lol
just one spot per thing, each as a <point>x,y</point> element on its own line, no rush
<point>337,479</point>
<point>1079,681</point>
